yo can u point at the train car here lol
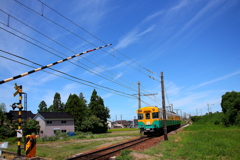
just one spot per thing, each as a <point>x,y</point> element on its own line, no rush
<point>150,120</point>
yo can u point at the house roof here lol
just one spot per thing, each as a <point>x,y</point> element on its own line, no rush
<point>53,115</point>
<point>14,115</point>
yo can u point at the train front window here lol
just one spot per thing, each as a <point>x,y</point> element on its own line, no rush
<point>155,115</point>
<point>147,115</point>
<point>140,116</point>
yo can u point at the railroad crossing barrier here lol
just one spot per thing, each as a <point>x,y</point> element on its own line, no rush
<point>30,146</point>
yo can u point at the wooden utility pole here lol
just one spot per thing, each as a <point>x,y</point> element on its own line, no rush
<point>139,96</point>
<point>164,110</point>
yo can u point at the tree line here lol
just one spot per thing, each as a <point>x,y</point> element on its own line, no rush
<point>90,117</point>
<point>230,114</point>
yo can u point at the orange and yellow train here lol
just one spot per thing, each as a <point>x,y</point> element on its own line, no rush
<point>150,120</point>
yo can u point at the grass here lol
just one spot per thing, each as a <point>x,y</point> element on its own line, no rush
<point>63,149</point>
<point>122,129</point>
<point>200,142</point>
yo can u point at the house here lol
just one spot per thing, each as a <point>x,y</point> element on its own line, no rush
<point>109,124</point>
<point>13,115</point>
<point>120,124</point>
<point>50,122</point>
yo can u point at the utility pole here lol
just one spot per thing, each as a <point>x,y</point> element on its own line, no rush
<point>139,95</point>
<point>164,110</point>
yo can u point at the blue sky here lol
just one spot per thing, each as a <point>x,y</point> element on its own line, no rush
<point>196,44</point>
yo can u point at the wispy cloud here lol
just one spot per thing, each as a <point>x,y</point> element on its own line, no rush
<point>217,79</point>
<point>132,37</point>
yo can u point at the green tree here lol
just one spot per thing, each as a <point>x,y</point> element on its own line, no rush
<point>77,108</point>
<point>51,109</point>
<point>90,123</point>
<point>82,97</point>
<point>57,104</point>
<point>42,107</point>
<point>231,108</point>
<point>97,108</point>
<point>31,126</point>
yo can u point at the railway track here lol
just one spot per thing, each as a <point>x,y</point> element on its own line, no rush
<point>107,152</point>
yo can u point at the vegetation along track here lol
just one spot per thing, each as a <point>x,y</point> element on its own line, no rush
<point>107,152</point>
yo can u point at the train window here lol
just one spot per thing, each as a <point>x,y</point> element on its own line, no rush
<point>140,116</point>
<point>155,115</point>
<point>147,115</point>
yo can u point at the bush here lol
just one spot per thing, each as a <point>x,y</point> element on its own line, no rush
<point>125,155</point>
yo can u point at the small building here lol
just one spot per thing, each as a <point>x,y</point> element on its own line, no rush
<point>50,122</point>
<point>120,124</point>
<point>109,124</point>
<point>13,115</point>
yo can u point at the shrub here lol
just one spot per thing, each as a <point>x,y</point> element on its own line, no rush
<point>125,155</point>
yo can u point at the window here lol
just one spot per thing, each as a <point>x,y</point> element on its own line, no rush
<point>147,115</point>
<point>63,122</point>
<point>155,115</point>
<point>64,131</point>
<point>41,132</point>
<point>140,116</point>
<point>49,122</point>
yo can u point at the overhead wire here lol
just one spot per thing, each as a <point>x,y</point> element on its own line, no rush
<point>73,32</point>
<point>79,36</point>
<point>58,44</point>
<point>57,55</point>
<point>62,73</point>
<point>126,94</point>
<point>97,38</point>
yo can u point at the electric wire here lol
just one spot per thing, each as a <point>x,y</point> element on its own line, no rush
<point>62,57</point>
<point>45,50</point>
<point>76,34</point>
<point>127,95</point>
<point>52,40</point>
<point>59,26</point>
<point>96,37</point>
<point>65,74</point>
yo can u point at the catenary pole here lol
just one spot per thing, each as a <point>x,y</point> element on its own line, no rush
<point>60,61</point>
<point>139,96</point>
<point>164,110</point>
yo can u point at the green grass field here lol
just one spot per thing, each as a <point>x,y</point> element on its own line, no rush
<point>200,141</point>
<point>65,148</point>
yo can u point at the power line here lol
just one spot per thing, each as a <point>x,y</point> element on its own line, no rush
<point>62,57</point>
<point>80,36</point>
<point>60,61</point>
<point>87,41</point>
<point>59,44</point>
<point>65,74</point>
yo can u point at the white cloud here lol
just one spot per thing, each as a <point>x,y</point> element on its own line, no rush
<point>217,79</point>
<point>132,37</point>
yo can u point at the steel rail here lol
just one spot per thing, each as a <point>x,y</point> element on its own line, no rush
<point>82,156</point>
